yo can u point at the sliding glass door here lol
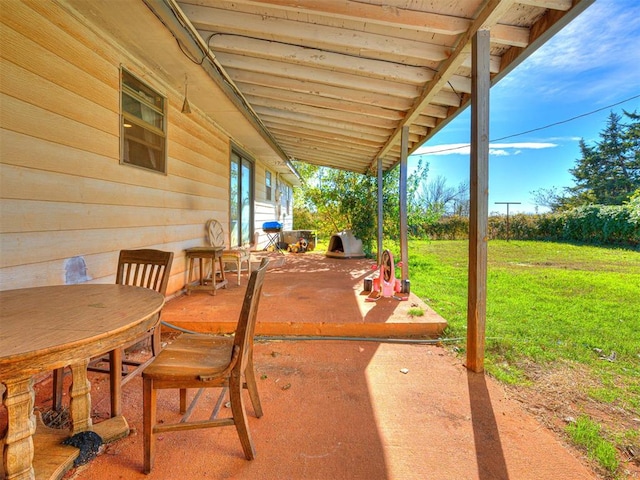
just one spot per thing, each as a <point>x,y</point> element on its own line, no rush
<point>241,200</point>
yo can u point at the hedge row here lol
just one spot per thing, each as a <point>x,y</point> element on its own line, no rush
<point>594,224</point>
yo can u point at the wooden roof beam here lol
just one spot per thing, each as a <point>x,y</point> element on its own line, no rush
<point>285,130</point>
<point>316,88</point>
<point>354,134</point>
<point>211,20</point>
<point>327,148</point>
<point>394,17</point>
<point>494,63</point>
<point>380,14</point>
<point>324,113</point>
<point>563,5</point>
<point>487,17</point>
<point>318,157</point>
<point>360,150</point>
<point>347,126</point>
<point>303,73</point>
<point>313,100</point>
<point>312,57</point>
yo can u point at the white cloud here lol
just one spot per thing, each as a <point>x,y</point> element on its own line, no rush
<point>447,149</point>
<point>593,39</point>
<point>529,145</point>
<point>602,41</point>
<point>500,149</point>
<point>498,152</point>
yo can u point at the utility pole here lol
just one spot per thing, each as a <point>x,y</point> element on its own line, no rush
<point>507,204</point>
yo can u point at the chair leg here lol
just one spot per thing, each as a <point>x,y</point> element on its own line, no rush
<point>183,400</point>
<point>240,417</point>
<point>148,421</point>
<point>222,275</point>
<point>156,343</point>
<point>58,381</point>
<point>115,381</point>
<point>250,378</point>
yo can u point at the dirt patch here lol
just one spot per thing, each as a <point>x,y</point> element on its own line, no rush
<point>558,395</point>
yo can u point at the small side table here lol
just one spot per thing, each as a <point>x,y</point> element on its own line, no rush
<point>203,283</point>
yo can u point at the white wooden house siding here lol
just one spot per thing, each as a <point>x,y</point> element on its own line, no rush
<point>67,205</point>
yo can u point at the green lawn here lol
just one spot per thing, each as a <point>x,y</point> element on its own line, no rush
<point>561,309</point>
<point>548,305</point>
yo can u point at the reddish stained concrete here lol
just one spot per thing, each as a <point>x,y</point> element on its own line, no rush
<point>337,409</point>
<point>308,294</point>
<point>344,410</point>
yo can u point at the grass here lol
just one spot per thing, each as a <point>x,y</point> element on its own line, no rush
<point>548,305</point>
<point>586,433</point>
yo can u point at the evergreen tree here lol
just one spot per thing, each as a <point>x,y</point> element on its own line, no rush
<point>609,171</point>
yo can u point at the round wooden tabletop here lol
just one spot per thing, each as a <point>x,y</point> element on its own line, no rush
<point>44,328</point>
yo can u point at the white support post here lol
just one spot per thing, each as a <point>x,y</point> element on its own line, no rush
<point>404,245</point>
<point>380,211</point>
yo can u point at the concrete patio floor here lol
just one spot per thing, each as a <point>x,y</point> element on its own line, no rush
<point>308,294</point>
<point>337,408</point>
<point>345,410</point>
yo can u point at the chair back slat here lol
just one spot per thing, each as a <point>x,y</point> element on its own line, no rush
<point>145,268</point>
<point>215,233</point>
<point>248,315</point>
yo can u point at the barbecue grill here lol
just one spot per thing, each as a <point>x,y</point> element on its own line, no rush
<point>272,229</point>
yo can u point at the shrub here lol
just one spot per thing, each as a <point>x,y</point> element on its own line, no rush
<point>454,227</point>
<point>595,224</point>
<point>603,224</point>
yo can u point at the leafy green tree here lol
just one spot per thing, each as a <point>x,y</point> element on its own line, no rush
<point>609,171</point>
<point>331,200</point>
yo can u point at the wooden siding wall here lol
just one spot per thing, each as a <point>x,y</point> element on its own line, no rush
<point>65,197</point>
<point>267,210</point>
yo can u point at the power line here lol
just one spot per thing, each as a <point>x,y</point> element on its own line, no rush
<point>540,128</point>
<point>568,120</point>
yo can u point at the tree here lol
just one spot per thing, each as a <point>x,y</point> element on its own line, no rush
<point>552,198</point>
<point>438,199</point>
<point>331,200</point>
<point>609,171</point>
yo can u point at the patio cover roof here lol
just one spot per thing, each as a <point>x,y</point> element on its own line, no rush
<point>329,82</point>
<point>332,82</point>
<point>350,84</point>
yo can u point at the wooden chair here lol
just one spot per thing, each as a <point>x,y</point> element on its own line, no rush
<point>206,361</point>
<point>143,268</point>
<point>238,255</point>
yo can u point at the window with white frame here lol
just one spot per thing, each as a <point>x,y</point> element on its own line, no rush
<point>267,185</point>
<point>143,125</point>
<point>288,196</point>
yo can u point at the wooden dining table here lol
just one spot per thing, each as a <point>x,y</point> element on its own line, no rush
<point>44,328</point>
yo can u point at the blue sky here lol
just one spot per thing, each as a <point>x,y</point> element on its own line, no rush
<point>592,63</point>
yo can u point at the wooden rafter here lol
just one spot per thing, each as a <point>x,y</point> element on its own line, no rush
<point>359,71</point>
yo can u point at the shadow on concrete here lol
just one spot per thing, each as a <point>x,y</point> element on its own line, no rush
<point>486,436</point>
